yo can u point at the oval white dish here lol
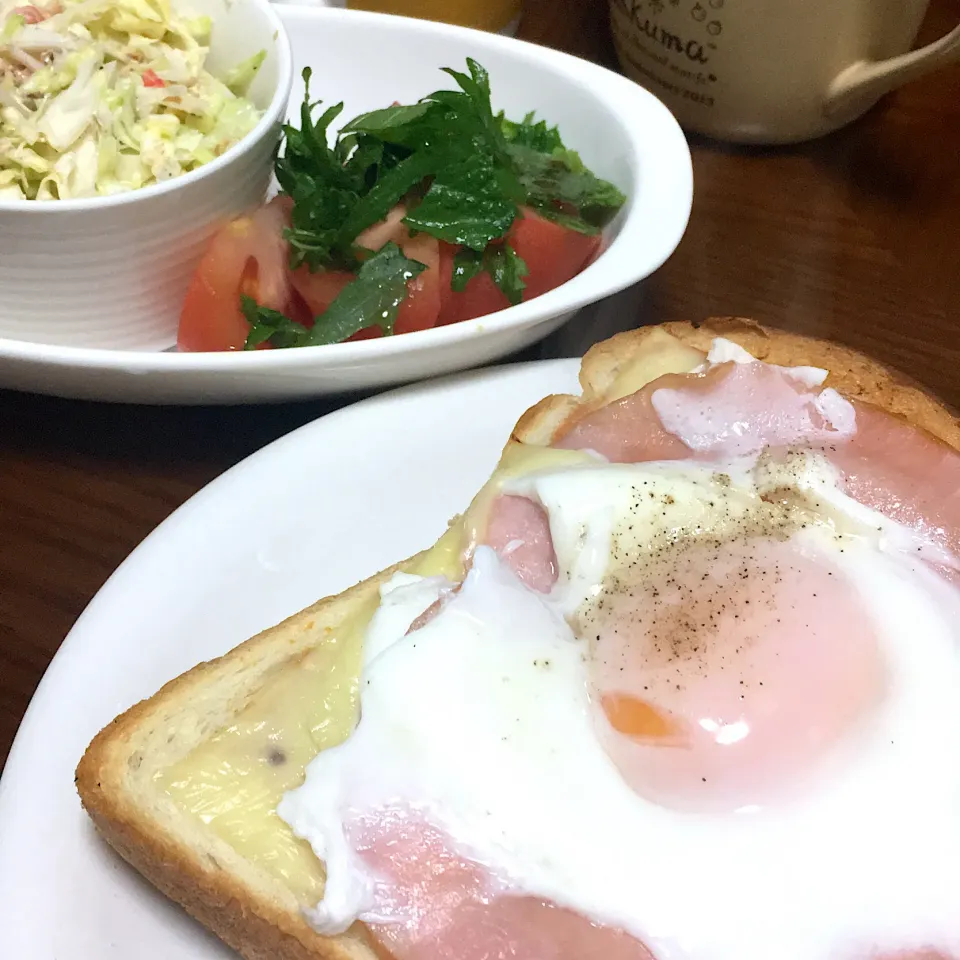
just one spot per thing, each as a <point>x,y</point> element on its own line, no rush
<point>623,133</point>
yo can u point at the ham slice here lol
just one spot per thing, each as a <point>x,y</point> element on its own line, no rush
<point>733,409</point>
<point>519,530</point>
<point>629,430</point>
<point>438,905</point>
<point>903,473</point>
<point>741,408</point>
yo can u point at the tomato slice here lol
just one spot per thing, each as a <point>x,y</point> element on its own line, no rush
<point>386,230</point>
<point>553,254</point>
<point>421,309</point>
<point>249,256</point>
<point>319,289</point>
<point>481,296</point>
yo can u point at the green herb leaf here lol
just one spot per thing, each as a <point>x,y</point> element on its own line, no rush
<point>501,261</point>
<point>462,170</point>
<point>508,269</point>
<point>465,204</point>
<point>372,300</point>
<point>314,232</point>
<point>380,122</point>
<point>569,220</point>
<point>271,326</point>
<point>537,136</point>
<point>561,179</point>
<point>361,156</point>
<point>476,93</point>
<point>323,188</point>
<point>466,265</point>
<point>555,180</point>
<point>306,151</point>
<point>386,192</point>
<point>313,175</point>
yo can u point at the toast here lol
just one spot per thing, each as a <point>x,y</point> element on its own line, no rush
<point>251,909</point>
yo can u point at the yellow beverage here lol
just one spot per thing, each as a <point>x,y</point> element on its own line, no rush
<point>494,15</point>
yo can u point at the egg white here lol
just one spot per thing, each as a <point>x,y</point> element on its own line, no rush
<point>481,718</point>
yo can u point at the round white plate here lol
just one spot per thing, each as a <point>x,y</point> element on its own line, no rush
<point>307,516</point>
<point>622,131</point>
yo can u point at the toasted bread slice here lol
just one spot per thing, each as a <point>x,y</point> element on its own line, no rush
<point>247,907</point>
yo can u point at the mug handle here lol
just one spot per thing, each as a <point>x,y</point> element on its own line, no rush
<point>869,80</point>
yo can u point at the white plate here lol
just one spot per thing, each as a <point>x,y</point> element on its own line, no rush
<point>622,131</point>
<point>242,554</point>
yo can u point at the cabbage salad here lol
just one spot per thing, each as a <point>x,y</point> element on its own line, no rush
<point>103,96</point>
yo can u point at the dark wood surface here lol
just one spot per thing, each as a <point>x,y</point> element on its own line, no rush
<point>855,236</point>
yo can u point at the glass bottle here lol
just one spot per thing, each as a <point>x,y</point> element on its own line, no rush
<point>494,15</point>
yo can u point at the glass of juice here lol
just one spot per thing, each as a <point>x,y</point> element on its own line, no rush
<point>501,16</point>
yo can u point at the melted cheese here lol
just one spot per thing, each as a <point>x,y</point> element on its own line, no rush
<point>517,461</point>
<point>234,781</point>
<point>661,354</point>
<point>444,558</point>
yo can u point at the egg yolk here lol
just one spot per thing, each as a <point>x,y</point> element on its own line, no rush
<point>722,672</point>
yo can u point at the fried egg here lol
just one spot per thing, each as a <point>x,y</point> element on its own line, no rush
<point>730,728</point>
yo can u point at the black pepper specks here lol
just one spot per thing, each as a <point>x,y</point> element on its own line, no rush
<point>683,599</point>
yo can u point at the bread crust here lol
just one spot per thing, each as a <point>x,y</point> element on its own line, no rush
<point>254,926</point>
<point>259,927</point>
<point>851,373</point>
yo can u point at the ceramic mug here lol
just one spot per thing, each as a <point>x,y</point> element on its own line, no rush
<point>773,71</point>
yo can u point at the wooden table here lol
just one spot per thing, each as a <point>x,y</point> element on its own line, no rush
<point>856,237</point>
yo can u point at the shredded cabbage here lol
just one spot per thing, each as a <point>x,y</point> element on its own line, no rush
<point>103,96</point>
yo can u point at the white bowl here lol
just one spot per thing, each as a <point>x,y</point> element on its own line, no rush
<point>368,60</point>
<point>111,272</point>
